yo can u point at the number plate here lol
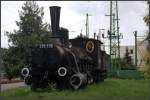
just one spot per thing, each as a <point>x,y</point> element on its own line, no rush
<point>46,45</point>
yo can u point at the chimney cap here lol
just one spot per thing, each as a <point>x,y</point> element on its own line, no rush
<point>54,6</point>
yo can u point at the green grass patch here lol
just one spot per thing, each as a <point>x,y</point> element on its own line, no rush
<point>110,89</point>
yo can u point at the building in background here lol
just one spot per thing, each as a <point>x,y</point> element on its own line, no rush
<point>141,51</point>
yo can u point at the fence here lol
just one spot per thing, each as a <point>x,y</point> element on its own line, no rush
<point>125,74</point>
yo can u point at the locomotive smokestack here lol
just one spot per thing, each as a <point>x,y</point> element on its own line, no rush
<point>55,17</point>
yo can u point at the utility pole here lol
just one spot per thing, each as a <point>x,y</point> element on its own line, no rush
<point>135,34</point>
<point>0,62</point>
<point>118,29</point>
<point>109,34</point>
<point>87,25</point>
<point>113,34</point>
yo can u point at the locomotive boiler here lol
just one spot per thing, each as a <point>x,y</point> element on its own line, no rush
<point>69,63</point>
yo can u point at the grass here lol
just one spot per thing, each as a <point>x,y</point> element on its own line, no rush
<point>110,89</point>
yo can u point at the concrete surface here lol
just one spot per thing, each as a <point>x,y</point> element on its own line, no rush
<point>12,85</point>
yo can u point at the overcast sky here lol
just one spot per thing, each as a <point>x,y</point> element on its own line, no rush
<point>73,17</point>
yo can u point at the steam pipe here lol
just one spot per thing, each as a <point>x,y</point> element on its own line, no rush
<point>77,80</point>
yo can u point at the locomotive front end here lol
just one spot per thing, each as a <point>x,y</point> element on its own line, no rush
<point>46,65</point>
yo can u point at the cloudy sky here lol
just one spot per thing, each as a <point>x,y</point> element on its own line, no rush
<point>73,17</point>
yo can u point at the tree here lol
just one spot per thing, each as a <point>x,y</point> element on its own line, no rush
<point>146,57</point>
<point>31,30</point>
<point>144,69</point>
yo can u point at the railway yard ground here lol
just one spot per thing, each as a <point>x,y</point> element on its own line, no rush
<point>110,89</point>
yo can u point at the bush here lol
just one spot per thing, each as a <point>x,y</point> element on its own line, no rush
<point>9,72</point>
<point>13,71</point>
<point>122,64</point>
<point>144,72</point>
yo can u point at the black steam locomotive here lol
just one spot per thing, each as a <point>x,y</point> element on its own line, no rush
<point>68,63</point>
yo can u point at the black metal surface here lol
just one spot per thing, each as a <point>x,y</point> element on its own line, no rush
<point>55,17</point>
<point>75,59</point>
<point>47,58</point>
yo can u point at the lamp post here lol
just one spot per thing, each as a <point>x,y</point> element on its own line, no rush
<point>135,34</point>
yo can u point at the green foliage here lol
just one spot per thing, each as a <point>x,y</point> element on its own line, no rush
<point>31,31</point>
<point>31,28</point>
<point>145,69</point>
<point>51,87</point>
<point>145,74</point>
<point>12,62</point>
<point>122,64</point>
<point>110,89</point>
<point>146,19</point>
<point>124,70</point>
<point>125,63</point>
